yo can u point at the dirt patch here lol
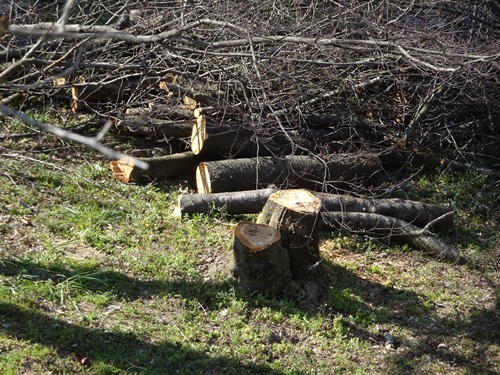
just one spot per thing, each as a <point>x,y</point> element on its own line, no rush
<point>79,251</point>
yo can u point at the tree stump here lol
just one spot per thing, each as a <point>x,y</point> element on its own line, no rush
<point>261,263</point>
<point>295,214</point>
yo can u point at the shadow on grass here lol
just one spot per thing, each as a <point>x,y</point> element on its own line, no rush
<point>360,301</point>
<point>117,348</point>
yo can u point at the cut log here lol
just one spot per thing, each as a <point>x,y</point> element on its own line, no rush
<point>163,167</point>
<point>295,214</point>
<point>261,263</point>
<point>341,172</point>
<point>416,213</point>
<point>211,139</point>
<point>83,94</point>
<point>252,201</point>
<point>375,224</point>
<point>162,111</point>
<point>248,202</point>
<point>230,137</point>
<point>143,126</point>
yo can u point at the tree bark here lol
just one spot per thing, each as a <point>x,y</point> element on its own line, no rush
<point>231,137</point>
<point>380,225</point>
<point>416,213</point>
<point>83,94</point>
<point>240,202</point>
<point>261,263</point>
<point>341,172</point>
<point>163,167</point>
<point>252,201</point>
<point>295,214</point>
<point>162,111</point>
<point>143,126</point>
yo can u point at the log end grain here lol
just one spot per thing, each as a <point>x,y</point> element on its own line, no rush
<point>298,200</point>
<point>203,185</point>
<point>198,135</point>
<point>124,170</point>
<point>257,237</point>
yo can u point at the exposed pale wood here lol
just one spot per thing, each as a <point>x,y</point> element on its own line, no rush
<point>395,229</point>
<point>341,172</point>
<point>295,213</point>
<point>189,103</point>
<point>230,139</point>
<point>261,263</point>
<point>207,111</point>
<point>163,167</point>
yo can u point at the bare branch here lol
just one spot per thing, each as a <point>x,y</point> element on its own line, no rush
<point>92,142</point>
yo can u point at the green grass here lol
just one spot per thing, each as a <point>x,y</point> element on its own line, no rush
<point>98,277</point>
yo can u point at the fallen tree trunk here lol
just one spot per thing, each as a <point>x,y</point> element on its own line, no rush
<point>295,214</point>
<point>143,126</point>
<point>239,202</point>
<point>163,167</point>
<point>341,172</point>
<point>261,263</point>
<point>416,213</point>
<point>380,225</point>
<point>252,201</point>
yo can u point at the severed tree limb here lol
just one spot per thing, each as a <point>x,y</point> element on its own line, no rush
<point>380,225</point>
<point>340,172</point>
<point>162,167</point>
<point>144,126</point>
<point>239,202</point>
<point>423,215</point>
<point>76,31</point>
<point>417,213</point>
<point>92,142</point>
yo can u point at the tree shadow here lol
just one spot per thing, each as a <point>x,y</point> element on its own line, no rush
<point>332,290</point>
<point>162,358</point>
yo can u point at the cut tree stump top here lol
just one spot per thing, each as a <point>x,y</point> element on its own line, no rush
<point>256,237</point>
<point>297,200</point>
